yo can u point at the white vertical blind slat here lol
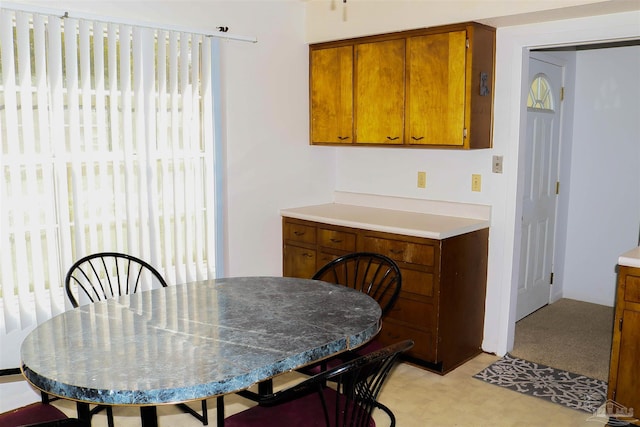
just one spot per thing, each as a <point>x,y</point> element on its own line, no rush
<point>176,159</point>
<point>163,144</point>
<point>72,120</point>
<point>92,198</point>
<point>21,272</point>
<point>57,134</point>
<point>115,136</point>
<point>137,115</point>
<point>49,234</point>
<point>129,148</point>
<point>196,47</point>
<point>208,160</point>
<point>9,261</point>
<point>187,97</point>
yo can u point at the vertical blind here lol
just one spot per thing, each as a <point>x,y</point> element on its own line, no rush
<point>107,145</point>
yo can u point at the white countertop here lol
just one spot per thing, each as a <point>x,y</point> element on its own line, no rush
<point>418,220</point>
<point>630,258</point>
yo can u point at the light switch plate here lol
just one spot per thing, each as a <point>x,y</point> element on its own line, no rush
<point>496,165</point>
<point>476,182</point>
<point>422,179</point>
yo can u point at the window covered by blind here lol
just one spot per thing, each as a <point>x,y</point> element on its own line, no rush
<point>107,145</point>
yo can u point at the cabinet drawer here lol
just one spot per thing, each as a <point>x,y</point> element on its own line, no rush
<point>424,347</point>
<point>632,289</point>
<point>416,313</point>
<point>341,240</point>
<point>402,251</point>
<point>417,282</point>
<point>298,262</point>
<point>300,232</point>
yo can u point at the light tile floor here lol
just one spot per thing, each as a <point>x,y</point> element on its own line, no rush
<point>418,398</point>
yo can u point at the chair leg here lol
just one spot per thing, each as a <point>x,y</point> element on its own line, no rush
<point>220,411</point>
<point>205,414</point>
<point>388,411</point>
<point>110,416</point>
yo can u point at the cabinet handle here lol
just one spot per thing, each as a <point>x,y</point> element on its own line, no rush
<point>336,241</point>
<point>417,138</point>
<point>307,255</point>
<point>392,138</point>
<point>342,138</point>
<point>395,251</point>
<point>299,233</point>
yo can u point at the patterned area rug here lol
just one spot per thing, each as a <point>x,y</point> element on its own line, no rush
<point>572,390</point>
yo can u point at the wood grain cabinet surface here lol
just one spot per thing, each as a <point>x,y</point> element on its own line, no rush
<point>441,304</point>
<point>624,371</point>
<point>421,88</point>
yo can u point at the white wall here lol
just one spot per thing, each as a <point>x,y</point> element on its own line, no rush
<point>334,19</point>
<point>604,194</point>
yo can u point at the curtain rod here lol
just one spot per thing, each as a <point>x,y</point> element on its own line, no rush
<point>221,33</point>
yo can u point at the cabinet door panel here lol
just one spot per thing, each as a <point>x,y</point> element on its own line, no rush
<point>331,87</point>
<point>380,74</point>
<point>628,367</point>
<point>632,289</point>
<point>424,348</point>
<point>436,88</point>
<point>417,282</point>
<point>415,313</point>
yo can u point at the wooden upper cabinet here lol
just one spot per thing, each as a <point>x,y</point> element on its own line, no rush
<point>435,94</point>
<point>331,95</point>
<point>431,87</point>
<point>379,93</point>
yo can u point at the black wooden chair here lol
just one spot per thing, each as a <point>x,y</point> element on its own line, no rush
<point>38,415</point>
<point>105,275</point>
<point>312,403</point>
<point>374,274</point>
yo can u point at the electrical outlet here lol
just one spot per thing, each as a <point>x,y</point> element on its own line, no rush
<point>422,179</point>
<point>476,182</point>
<point>496,165</point>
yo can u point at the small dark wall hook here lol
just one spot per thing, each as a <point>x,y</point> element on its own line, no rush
<point>223,29</point>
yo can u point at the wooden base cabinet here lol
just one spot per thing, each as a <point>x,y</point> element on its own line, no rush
<point>624,370</point>
<point>441,304</point>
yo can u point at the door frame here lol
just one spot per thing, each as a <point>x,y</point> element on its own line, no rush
<point>513,46</point>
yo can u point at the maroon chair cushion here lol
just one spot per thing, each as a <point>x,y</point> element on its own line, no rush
<point>30,414</point>
<point>306,411</point>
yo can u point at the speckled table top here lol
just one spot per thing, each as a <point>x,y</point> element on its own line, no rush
<point>194,341</point>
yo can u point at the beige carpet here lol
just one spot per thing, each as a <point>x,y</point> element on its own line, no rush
<point>571,335</point>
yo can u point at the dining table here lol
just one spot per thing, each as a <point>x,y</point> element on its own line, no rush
<point>194,341</point>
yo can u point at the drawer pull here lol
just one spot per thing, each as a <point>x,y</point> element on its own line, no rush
<point>396,251</point>
<point>342,138</point>
<point>336,240</point>
<point>392,138</point>
<point>299,233</point>
<point>307,255</point>
<point>417,138</point>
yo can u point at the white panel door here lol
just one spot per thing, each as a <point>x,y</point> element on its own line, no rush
<point>541,176</point>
